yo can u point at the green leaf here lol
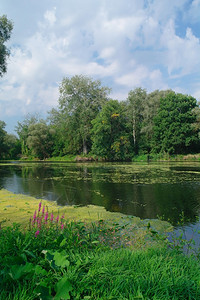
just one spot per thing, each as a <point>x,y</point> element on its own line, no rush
<point>63,243</point>
<point>43,291</point>
<point>60,260</point>
<point>17,271</point>
<point>63,287</point>
<point>30,253</point>
<point>40,271</point>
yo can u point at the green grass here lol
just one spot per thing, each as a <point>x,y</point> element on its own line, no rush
<point>151,274</point>
<point>165,157</point>
<point>58,259</point>
<point>68,158</point>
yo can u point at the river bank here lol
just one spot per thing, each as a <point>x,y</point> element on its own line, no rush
<point>87,253</point>
<point>18,208</point>
<point>137,158</point>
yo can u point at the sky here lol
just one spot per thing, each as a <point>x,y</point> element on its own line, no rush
<point>153,44</point>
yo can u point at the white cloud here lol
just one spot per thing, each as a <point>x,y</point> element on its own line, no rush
<point>50,16</point>
<point>182,54</point>
<point>194,12</point>
<point>134,78</point>
<point>125,44</point>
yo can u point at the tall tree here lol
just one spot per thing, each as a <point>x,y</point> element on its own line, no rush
<point>6,27</point>
<point>81,98</point>
<point>2,138</point>
<point>173,132</point>
<point>12,147</point>
<point>22,130</point>
<point>39,140</point>
<point>151,106</point>
<point>110,134</point>
<point>136,101</point>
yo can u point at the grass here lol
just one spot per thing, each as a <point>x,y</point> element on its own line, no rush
<point>68,158</point>
<point>150,274</point>
<point>55,257</point>
<point>82,261</point>
<point>165,157</point>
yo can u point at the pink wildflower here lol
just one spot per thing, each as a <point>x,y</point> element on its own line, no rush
<point>46,216</point>
<point>34,218</point>
<point>39,208</point>
<point>62,218</point>
<point>52,217</point>
<point>57,218</point>
<point>37,232</point>
<point>35,214</point>
<point>39,221</point>
<point>62,225</point>
<point>43,210</point>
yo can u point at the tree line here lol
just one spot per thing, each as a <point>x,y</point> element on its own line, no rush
<point>88,122</point>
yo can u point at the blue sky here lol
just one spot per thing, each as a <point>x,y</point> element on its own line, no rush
<point>151,44</point>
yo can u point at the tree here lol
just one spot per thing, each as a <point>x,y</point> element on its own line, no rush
<point>57,123</point>
<point>81,98</point>
<point>173,132</point>
<point>110,134</point>
<point>12,147</point>
<point>136,101</point>
<point>22,130</point>
<point>6,27</point>
<point>151,106</point>
<point>39,140</point>
<point>2,139</point>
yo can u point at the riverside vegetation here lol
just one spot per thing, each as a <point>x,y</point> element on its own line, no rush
<point>87,124</point>
<point>55,257</point>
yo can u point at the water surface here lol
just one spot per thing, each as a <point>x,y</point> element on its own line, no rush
<point>140,189</point>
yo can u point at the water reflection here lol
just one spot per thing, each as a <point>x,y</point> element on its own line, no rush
<point>144,190</point>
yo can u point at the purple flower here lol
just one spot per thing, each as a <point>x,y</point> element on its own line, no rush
<point>46,216</point>
<point>52,217</point>
<point>62,218</point>
<point>37,232</point>
<point>62,225</point>
<point>39,208</point>
<point>57,218</point>
<point>43,210</point>
<point>34,216</point>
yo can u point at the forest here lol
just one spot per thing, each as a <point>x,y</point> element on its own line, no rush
<point>87,122</point>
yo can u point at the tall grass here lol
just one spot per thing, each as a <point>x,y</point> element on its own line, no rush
<point>151,274</point>
<point>56,259</point>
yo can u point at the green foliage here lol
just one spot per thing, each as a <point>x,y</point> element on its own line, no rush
<point>6,27</point>
<point>135,110</point>
<point>173,132</point>
<point>87,122</point>
<point>110,135</point>
<point>2,138</point>
<point>151,274</point>
<point>9,144</point>
<point>151,106</point>
<point>39,139</point>
<point>22,130</point>
<point>90,261</point>
<point>80,100</point>
<point>13,147</point>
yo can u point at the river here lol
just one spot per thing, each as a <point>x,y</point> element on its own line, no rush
<point>147,190</point>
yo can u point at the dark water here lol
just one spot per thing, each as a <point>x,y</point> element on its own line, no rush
<point>139,189</point>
